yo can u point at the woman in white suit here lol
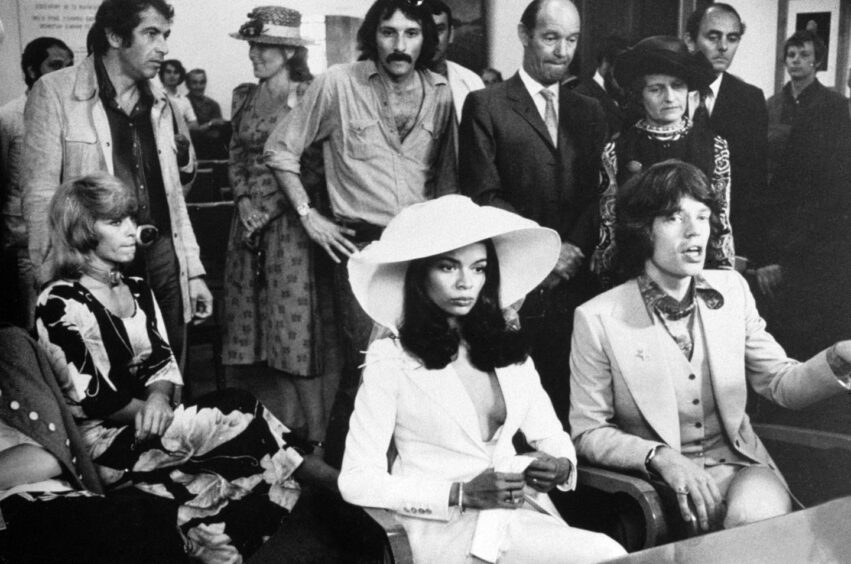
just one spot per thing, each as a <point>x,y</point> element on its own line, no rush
<point>453,384</point>
<point>660,364</point>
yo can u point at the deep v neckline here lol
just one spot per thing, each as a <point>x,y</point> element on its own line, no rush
<point>472,405</point>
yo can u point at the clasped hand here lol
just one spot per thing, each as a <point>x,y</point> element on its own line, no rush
<point>546,472</point>
<point>154,417</point>
<point>492,489</point>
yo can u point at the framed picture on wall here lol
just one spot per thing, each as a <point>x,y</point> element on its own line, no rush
<point>824,17</point>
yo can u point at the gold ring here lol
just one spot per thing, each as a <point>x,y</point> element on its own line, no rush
<point>682,491</point>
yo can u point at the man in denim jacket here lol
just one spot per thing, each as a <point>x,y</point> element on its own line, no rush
<point>107,115</point>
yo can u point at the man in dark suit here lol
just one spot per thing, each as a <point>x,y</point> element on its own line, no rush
<point>602,85</point>
<point>737,113</point>
<point>533,147</point>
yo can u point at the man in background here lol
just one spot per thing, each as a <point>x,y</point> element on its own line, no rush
<point>736,111</point>
<point>17,283</point>
<point>532,146</point>
<point>213,134</point>
<point>602,85</point>
<point>462,80</point>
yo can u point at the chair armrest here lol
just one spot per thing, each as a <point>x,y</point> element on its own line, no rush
<point>642,492</point>
<point>397,547</point>
<point>816,464</point>
<point>802,437</point>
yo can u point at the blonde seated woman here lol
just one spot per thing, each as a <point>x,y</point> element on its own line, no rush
<point>453,385</point>
<point>224,459</point>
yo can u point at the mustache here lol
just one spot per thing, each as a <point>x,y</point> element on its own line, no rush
<point>402,57</point>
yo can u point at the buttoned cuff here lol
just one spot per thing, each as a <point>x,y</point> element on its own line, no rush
<point>431,501</point>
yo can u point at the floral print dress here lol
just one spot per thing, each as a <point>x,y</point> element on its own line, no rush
<point>269,295</point>
<point>224,459</point>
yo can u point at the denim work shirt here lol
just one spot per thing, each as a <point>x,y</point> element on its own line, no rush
<point>371,174</point>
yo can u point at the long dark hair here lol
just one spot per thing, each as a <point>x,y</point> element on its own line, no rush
<point>425,331</point>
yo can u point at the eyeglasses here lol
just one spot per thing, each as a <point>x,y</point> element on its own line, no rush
<point>147,235</point>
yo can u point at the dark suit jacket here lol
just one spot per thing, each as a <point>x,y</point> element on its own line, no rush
<point>740,117</point>
<point>614,114</point>
<point>507,158</point>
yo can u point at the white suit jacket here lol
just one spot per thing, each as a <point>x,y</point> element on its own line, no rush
<point>433,423</point>
<point>622,399</point>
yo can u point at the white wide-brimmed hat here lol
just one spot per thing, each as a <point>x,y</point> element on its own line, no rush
<point>526,251</point>
<point>273,25</point>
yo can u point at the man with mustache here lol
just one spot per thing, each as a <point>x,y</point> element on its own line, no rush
<point>736,111</point>
<point>533,147</point>
<point>384,123</point>
<point>107,115</point>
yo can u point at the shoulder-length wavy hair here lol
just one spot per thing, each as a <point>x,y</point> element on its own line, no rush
<point>74,209</point>
<point>384,9</point>
<point>656,192</point>
<point>426,333</point>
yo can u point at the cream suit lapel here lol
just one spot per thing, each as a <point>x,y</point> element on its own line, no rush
<point>643,359</point>
<point>445,390</point>
<point>724,341</point>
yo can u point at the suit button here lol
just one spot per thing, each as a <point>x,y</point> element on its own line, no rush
<point>698,424</point>
<point>738,443</point>
<point>691,376</point>
<point>695,401</point>
<point>723,460</point>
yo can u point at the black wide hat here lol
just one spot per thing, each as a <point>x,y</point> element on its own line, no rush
<point>664,54</point>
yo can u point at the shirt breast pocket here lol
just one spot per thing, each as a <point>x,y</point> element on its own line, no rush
<point>82,153</point>
<point>363,139</point>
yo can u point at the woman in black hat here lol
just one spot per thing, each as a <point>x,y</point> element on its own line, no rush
<point>658,73</point>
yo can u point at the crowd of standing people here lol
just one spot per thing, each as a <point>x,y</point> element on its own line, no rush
<point>585,264</point>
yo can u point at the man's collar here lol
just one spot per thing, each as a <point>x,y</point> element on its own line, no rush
<point>533,86</point>
<point>656,299</point>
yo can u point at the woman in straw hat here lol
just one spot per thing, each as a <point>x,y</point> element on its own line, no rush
<point>453,385</point>
<point>270,303</point>
<point>658,73</point>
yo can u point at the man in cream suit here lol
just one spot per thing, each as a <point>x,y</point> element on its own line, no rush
<point>660,365</point>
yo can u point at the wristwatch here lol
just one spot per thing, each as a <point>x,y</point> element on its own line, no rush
<point>303,209</point>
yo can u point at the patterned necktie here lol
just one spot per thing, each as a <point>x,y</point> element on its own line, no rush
<point>550,118</point>
<point>701,114</point>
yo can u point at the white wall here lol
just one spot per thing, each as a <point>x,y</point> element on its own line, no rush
<point>199,38</point>
<point>756,59</point>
